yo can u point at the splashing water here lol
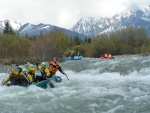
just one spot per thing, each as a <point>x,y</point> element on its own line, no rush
<point>120,85</point>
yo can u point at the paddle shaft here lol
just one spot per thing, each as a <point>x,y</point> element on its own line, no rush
<point>26,78</point>
<point>6,74</point>
<point>67,77</point>
<point>8,71</point>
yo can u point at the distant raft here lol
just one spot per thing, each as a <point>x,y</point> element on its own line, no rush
<point>73,58</point>
<point>103,58</point>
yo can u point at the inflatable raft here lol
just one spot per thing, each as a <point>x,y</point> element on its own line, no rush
<point>73,58</point>
<point>42,84</point>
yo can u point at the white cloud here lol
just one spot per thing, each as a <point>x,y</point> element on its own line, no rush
<point>63,13</point>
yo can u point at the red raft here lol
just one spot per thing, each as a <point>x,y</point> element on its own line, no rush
<point>103,58</point>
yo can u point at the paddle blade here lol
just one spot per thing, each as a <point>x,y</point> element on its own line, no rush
<point>51,85</point>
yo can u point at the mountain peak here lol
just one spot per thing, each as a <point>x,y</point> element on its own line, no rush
<point>15,25</point>
<point>92,26</point>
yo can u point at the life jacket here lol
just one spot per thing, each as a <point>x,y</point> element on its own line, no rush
<point>105,55</point>
<point>53,67</point>
<point>109,56</point>
<point>31,73</point>
<point>43,73</point>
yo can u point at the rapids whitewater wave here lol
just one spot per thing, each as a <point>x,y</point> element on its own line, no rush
<point>120,85</point>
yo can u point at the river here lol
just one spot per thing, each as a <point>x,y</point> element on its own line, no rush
<point>119,85</point>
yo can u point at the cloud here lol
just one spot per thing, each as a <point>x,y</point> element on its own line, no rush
<point>63,13</point>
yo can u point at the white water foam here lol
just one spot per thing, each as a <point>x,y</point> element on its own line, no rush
<point>95,89</point>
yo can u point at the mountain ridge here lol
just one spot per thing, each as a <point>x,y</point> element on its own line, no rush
<point>33,30</point>
<point>93,26</point>
<point>89,26</point>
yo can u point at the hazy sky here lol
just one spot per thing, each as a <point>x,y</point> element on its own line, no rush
<point>63,13</point>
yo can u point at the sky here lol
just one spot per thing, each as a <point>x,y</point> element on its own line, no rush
<point>63,13</point>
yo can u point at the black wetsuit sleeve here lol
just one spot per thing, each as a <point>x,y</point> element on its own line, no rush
<point>60,69</point>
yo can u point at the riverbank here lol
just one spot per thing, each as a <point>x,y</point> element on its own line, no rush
<point>18,61</point>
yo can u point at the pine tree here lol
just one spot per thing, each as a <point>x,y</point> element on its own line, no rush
<point>89,40</point>
<point>8,29</point>
<point>11,30</point>
<point>41,34</point>
<point>85,40</point>
<point>26,35</point>
<point>77,40</point>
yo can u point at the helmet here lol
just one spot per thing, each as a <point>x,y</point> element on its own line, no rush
<point>31,65</point>
<point>43,63</point>
<point>20,66</point>
<point>24,69</point>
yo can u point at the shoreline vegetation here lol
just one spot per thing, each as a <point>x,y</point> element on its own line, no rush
<point>16,49</point>
<point>17,62</point>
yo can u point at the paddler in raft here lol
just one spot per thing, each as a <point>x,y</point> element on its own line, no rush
<point>53,67</point>
<point>45,74</point>
<point>18,78</point>
<point>110,56</point>
<point>107,56</point>
<point>26,79</point>
<point>31,70</point>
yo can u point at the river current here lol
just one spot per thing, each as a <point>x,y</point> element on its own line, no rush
<point>119,85</point>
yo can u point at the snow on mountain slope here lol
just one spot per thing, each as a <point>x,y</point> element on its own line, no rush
<point>35,30</point>
<point>90,26</point>
<point>13,24</point>
<point>93,26</point>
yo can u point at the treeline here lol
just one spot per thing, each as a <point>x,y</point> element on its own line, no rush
<point>14,47</point>
<point>21,49</point>
<point>127,41</point>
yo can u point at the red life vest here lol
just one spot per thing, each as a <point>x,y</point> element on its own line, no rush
<point>105,55</point>
<point>53,67</point>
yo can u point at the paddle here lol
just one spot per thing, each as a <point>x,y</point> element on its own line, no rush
<point>6,74</point>
<point>50,84</point>
<point>8,71</point>
<point>26,78</point>
<point>29,83</point>
<point>66,76</point>
<point>63,72</point>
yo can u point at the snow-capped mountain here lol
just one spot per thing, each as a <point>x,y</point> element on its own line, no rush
<point>97,25</point>
<point>35,30</point>
<point>14,25</point>
<point>89,27</point>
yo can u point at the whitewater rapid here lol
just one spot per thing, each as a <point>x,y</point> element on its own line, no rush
<point>119,85</point>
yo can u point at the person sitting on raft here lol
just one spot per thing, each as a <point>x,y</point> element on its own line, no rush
<point>26,78</point>
<point>72,54</point>
<point>105,55</point>
<point>16,77</point>
<point>31,70</point>
<point>44,72</point>
<point>110,56</point>
<point>53,67</point>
